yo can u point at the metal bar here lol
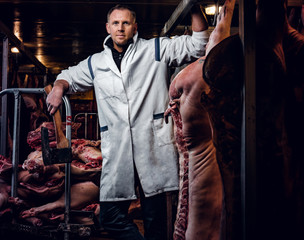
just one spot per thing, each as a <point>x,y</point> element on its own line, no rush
<point>86,126</point>
<point>177,16</point>
<point>68,133</point>
<point>22,90</point>
<point>16,133</point>
<point>248,154</point>
<point>86,123</point>
<point>21,47</point>
<point>3,120</point>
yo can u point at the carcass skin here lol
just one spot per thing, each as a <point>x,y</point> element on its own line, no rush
<point>205,185</point>
<point>4,194</point>
<point>206,107</point>
<point>82,194</point>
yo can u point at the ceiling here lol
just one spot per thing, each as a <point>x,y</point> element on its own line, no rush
<point>61,33</point>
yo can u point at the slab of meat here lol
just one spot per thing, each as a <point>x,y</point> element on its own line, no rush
<point>4,194</point>
<point>87,151</point>
<point>206,107</point>
<point>37,187</point>
<point>34,137</point>
<point>95,208</point>
<point>82,194</point>
<point>86,165</point>
<point>5,168</point>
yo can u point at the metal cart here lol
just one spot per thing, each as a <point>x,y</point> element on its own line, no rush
<point>65,228</point>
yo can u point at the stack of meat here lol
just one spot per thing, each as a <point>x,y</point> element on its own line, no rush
<point>40,189</point>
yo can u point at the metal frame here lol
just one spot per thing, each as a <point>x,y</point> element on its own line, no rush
<point>3,119</point>
<point>177,16</point>
<point>247,23</point>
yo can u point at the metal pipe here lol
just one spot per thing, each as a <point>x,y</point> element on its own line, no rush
<point>248,153</point>
<point>3,120</point>
<point>86,123</point>
<point>16,133</point>
<point>177,16</point>
<point>86,126</point>
<point>67,169</point>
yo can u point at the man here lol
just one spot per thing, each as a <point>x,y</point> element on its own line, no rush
<point>131,89</point>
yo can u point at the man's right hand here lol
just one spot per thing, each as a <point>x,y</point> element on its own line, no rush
<point>54,98</point>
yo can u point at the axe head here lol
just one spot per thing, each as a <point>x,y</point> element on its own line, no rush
<point>53,155</point>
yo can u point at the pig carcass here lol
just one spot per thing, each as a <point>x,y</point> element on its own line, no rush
<point>206,106</point>
<point>82,195</point>
<point>5,188</point>
<point>87,160</point>
<point>4,195</point>
<point>5,167</point>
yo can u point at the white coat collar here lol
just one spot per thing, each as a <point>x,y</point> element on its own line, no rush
<point>110,60</point>
<point>106,39</point>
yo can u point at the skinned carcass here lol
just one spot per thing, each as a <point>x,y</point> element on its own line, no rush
<point>206,105</point>
<point>5,188</point>
<point>82,194</point>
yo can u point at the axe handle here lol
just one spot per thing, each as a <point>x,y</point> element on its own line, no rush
<point>62,141</point>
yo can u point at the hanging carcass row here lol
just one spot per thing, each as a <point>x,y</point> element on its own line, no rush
<point>206,106</point>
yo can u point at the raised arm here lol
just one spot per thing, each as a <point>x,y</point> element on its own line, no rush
<point>54,98</point>
<point>199,20</point>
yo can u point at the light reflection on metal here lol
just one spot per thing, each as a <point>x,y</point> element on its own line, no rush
<point>14,50</point>
<point>75,46</point>
<point>39,52</point>
<point>211,10</point>
<point>40,33</point>
<point>40,29</point>
<point>17,29</point>
<point>17,24</point>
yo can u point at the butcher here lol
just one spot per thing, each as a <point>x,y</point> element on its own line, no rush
<point>206,105</point>
<point>131,87</point>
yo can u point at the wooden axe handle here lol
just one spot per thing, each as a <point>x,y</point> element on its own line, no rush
<point>62,141</point>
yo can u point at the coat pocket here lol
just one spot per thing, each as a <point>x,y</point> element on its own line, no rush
<point>106,143</point>
<point>162,131</point>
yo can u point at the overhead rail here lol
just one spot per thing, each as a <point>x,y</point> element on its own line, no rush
<point>177,16</point>
<point>20,45</point>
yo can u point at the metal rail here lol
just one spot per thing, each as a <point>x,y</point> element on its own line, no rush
<point>177,16</point>
<point>86,123</point>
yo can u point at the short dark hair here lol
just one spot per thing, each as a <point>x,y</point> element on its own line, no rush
<point>121,7</point>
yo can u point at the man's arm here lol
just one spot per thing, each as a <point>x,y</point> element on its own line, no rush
<point>54,98</point>
<point>199,20</point>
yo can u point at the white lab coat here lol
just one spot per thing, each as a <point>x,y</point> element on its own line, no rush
<point>130,105</point>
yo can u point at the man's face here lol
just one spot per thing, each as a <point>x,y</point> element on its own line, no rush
<point>122,27</point>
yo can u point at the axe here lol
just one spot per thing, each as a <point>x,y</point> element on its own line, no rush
<point>61,154</point>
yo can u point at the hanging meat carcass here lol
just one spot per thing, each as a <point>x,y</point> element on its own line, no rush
<point>206,106</point>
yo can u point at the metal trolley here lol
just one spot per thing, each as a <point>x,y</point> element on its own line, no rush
<point>65,228</point>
